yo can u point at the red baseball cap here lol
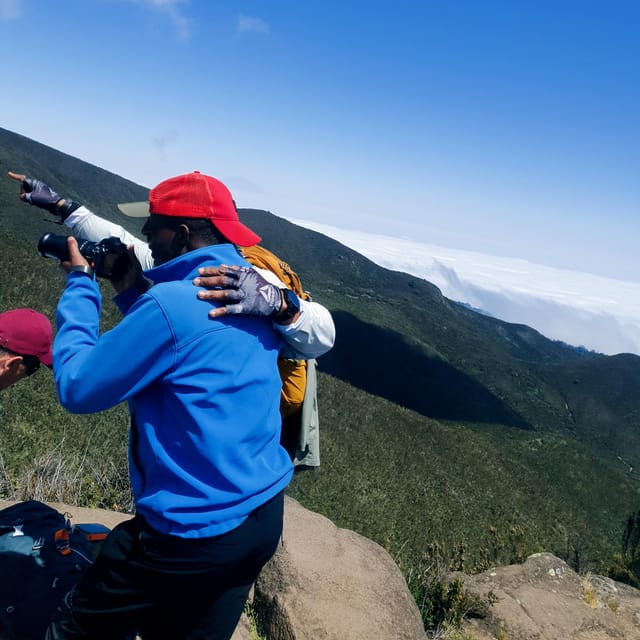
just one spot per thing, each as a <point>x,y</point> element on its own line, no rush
<point>195,195</point>
<point>26,332</point>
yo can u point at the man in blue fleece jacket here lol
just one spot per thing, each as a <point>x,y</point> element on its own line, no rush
<point>207,471</point>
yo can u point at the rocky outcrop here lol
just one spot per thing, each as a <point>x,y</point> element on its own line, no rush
<point>333,584</point>
<point>330,583</point>
<point>323,583</point>
<point>543,599</point>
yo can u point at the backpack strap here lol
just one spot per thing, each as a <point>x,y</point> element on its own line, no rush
<point>260,257</point>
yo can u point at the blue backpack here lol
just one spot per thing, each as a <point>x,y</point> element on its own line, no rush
<point>41,558</point>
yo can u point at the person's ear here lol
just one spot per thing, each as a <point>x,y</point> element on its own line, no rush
<point>188,240</point>
<point>183,233</point>
<point>11,363</point>
<point>12,369</point>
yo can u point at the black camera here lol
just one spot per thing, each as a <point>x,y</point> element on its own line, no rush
<point>109,257</point>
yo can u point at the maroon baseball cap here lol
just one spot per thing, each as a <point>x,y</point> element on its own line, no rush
<point>195,195</point>
<point>26,332</point>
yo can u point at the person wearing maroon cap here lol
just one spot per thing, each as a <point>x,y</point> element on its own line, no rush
<point>25,343</point>
<point>207,470</point>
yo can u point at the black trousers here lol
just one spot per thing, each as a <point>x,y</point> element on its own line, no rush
<point>166,587</point>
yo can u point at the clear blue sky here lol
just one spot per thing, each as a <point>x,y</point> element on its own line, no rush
<point>506,127</point>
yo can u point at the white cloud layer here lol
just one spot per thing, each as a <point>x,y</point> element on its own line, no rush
<point>599,313</point>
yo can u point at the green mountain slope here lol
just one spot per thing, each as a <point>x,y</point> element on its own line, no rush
<point>439,424</point>
<point>409,482</point>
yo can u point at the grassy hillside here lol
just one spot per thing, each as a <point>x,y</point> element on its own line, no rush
<point>439,424</point>
<point>408,481</point>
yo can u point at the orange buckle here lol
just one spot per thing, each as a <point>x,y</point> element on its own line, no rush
<point>61,538</point>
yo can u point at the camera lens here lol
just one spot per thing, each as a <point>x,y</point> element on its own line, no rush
<point>53,246</point>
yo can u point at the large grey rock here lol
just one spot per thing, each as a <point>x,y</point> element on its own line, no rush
<point>331,583</point>
<point>543,599</point>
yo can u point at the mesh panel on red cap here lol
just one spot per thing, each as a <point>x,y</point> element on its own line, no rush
<point>195,190</point>
<point>195,195</point>
<point>192,195</point>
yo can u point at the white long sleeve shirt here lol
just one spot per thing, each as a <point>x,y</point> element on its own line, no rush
<point>311,335</point>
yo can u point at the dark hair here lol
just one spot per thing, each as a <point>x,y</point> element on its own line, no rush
<point>31,363</point>
<point>201,227</point>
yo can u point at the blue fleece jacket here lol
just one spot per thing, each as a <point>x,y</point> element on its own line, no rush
<point>204,395</point>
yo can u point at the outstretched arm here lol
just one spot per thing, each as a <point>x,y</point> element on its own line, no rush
<point>308,334</point>
<point>82,222</point>
<point>84,382</point>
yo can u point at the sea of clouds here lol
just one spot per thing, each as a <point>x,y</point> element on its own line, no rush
<point>581,309</point>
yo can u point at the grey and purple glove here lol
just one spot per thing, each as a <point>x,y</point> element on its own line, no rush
<point>41,195</point>
<point>241,290</point>
<point>249,293</point>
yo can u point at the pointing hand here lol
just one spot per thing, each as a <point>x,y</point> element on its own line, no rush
<point>37,193</point>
